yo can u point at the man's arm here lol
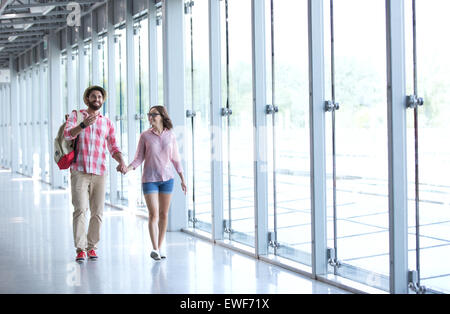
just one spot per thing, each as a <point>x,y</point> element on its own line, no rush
<point>122,167</point>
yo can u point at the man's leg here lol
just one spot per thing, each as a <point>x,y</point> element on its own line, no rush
<point>80,200</point>
<point>96,203</point>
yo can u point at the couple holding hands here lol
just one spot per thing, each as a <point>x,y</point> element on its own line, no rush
<point>157,149</point>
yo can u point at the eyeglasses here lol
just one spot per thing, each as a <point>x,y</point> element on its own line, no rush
<point>153,114</point>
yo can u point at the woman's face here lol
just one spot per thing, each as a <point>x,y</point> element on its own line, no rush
<point>154,117</point>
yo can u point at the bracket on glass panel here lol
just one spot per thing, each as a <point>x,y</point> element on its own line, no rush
<point>226,112</point>
<point>270,109</point>
<point>227,226</point>
<point>331,106</point>
<point>139,116</point>
<point>413,101</point>
<point>188,7</point>
<point>332,259</point>
<point>272,240</point>
<point>413,282</point>
<point>190,113</point>
<point>191,217</point>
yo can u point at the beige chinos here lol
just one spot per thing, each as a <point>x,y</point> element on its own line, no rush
<point>88,191</point>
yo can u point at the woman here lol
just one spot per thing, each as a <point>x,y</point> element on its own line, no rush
<point>158,148</point>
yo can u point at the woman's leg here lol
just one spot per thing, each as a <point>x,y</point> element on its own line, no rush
<point>164,204</point>
<point>153,213</point>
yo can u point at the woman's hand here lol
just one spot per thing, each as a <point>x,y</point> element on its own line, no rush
<point>183,187</point>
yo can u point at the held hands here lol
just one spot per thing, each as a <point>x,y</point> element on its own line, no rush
<point>122,168</point>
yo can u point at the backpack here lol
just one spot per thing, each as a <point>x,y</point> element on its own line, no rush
<point>65,151</point>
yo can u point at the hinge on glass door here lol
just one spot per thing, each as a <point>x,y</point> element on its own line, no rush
<point>271,238</point>
<point>191,217</point>
<point>413,282</point>
<point>226,112</point>
<point>332,260</point>
<point>158,20</point>
<point>136,29</point>
<point>270,109</point>
<point>412,101</point>
<point>227,226</point>
<point>139,116</point>
<point>188,7</point>
<point>331,106</point>
<point>190,113</point>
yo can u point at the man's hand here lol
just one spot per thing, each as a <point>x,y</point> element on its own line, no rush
<point>122,167</point>
<point>90,120</point>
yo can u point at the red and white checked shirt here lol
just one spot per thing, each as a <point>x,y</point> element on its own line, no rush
<point>92,143</point>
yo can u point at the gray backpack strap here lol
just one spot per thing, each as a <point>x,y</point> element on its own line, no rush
<point>80,117</point>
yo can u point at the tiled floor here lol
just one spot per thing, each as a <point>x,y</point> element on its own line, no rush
<point>362,227</point>
<point>37,254</point>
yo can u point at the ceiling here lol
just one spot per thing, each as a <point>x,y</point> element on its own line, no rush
<point>24,23</point>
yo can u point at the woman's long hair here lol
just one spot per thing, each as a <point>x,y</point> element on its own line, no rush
<point>167,123</point>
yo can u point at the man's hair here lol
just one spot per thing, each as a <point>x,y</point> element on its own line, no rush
<point>90,89</point>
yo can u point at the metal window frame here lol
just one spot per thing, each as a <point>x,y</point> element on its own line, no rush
<point>152,54</point>
<point>174,92</point>
<point>131,95</point>
<point>317,138</point>
<point>398,184</point>
<point>113,199</point>
<point>13,65</point>
<point>259,127</point>
<point>55,104</point>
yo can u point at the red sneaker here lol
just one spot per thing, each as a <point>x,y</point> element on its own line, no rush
<point>92,255</point>
<point>80,256</point>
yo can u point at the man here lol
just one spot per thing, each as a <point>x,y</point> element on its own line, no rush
<point>88,173</point>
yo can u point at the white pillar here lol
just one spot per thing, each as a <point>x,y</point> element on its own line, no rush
<point>259,127</point>
<point>398,184</point>
<point>55,105</point>
<point>111,99</point>
<point>317,138</point>
<point>215,80</point>
<point>174,89</point>
<point>14,105</point>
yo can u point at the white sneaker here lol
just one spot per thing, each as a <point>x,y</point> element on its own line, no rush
<point>162,252</point>
<point>155,255</point>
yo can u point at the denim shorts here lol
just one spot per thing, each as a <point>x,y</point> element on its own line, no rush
<point>165,187</point>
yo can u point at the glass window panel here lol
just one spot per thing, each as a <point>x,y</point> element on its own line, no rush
<point>46,115</point>
<point>88,63</point>
<point>362,218</point>
<point>197,100</point>
<point>103,76</point>
<point>433,84</point>
<point>121,106</point>
<point>159,43</point>
<point>103,67</point>
<point>142,94</point>
<point>238,137</point>
<point>66,109</point>
<point>76,72</point>
<point>288,151</point>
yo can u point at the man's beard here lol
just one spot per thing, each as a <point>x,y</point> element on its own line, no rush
<point>94,106</point>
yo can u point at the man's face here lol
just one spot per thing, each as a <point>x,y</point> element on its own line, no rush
<point>95,100</point>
